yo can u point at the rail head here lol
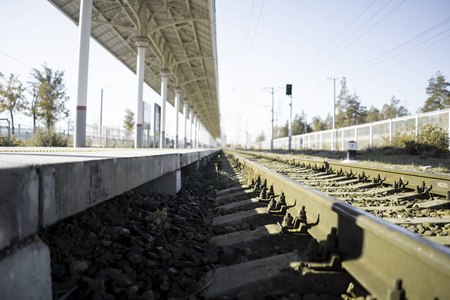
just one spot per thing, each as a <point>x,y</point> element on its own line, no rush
<point>435,183</point>
<point>376,252</point>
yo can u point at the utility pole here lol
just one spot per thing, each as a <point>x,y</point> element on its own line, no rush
<point>273,110</point>
<point>271,135</point>
<point>101,107</point>
<point>334,111</point>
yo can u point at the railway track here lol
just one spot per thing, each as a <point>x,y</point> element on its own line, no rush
<point>352,213</point>
<point>216,240</point>
<point>417,201</point>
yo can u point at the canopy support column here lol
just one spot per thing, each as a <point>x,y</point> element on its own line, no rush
<point>83,68</point>
<point>164,77</point>
<point>185,113</point>
<point>141,43</point>
<point>196,131</point>
<point>192,123</point>
<point>177,113</point>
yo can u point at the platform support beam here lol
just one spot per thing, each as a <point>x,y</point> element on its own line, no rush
<point>83,68</point>
<point>25,271</point>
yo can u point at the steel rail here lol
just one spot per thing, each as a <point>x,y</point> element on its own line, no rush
<point>438,184</point>
<point>377,253</point>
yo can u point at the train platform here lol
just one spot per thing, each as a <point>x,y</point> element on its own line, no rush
<point>40,186</point>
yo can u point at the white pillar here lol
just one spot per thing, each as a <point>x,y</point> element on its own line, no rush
<point>192,123</point>
<point>177,113</point>
<point>417,127</point>
<point>199,129</point>
<point>141,43</point>
<point>164,76</point>
<point>333,133</point>
<point>371,135</point>
<point>83,67</point>
<point>195,131</point>
<point>390,131</point>
<point>185,113</point>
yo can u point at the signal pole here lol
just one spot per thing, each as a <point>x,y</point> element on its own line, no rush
<point>289,93</point>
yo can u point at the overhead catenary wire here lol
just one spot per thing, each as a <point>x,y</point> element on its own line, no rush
<point>386,55</point>
<point>373,26</point>
<point>336,48</point>
<point>413,47</point>
<point>242,64</point>
<point>414,54</point>
<point>13,58</point>
<point>342,31</point>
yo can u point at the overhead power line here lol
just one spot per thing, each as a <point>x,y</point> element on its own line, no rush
<point>394,52</point>
<point>373,26</point>
<point>327,57</point>
<point>414,54</point>
<point>16,59</point>
<point>342,32</point>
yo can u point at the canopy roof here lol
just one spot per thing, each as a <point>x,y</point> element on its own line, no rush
<point>181,38</point>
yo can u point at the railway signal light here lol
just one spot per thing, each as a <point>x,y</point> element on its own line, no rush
<point>288,89</point>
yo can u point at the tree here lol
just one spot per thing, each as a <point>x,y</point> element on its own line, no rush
<point>128,121</point>
<point>11,98</point>
<point>261,137</point>
<point>282,131</point>
<point>318,124</point>
<point>354,112</point>
<point>33,107</point>
<point>340,103</point>
<point>373,115</point>
<point>51,96</point>
<point>300,124</point>
<point>393,110</point>
<point>439,94</point>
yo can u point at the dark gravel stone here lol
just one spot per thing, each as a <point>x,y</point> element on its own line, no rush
<point>121,257</point>
<point>218,229</point>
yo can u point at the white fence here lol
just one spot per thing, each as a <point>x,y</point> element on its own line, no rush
<point>96,136</point>
<point>367,135</point>
<point>100,137</point>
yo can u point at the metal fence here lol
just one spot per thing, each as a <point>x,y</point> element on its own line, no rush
<point>96,136</point>
<point>377,134</point>
<point>99,137</point>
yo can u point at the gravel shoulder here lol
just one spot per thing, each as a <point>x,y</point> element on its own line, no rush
<point>384,158</point>
<point>138,246</point>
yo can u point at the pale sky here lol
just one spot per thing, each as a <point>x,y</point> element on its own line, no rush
<point>384,48</point>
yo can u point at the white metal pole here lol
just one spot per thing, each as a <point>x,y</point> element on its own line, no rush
<point>141,44</point>
<point>185,113</point>
<point>192,123</point>
<point>196,131</point>
<point>290,125</point>
<point>83,68</point>
<point>164,77</point>
<point>271,135</point>
<point>177,113</point>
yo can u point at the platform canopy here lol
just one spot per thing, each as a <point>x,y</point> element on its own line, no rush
<point>182,39</point>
